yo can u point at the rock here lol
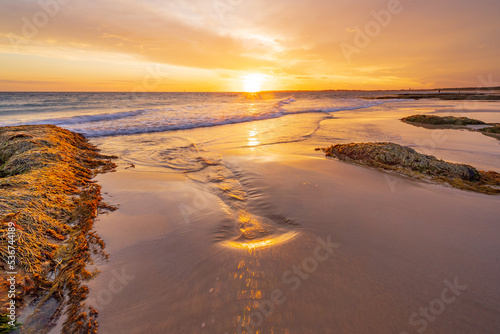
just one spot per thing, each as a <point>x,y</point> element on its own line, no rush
<point>441,120</point>
<point>493,130</point>
<point>405,160</point>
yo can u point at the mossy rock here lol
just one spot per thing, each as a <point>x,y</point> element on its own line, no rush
<point>405,160</point>
<point>495,130</point>
<point>441,120</point>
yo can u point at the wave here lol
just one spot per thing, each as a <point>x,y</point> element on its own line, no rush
<point>279,109</point>
<point>87,118</point>
<point>163,128</point>
<point>286,101</point>
<point>190,116</point>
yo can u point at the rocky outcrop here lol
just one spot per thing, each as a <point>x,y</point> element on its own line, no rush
<point>405,160</point>
<point>447,122</point>
<point>441,120</point>
<point>493,131</point>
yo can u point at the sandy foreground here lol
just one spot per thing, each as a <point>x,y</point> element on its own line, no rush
<point>341,248</point>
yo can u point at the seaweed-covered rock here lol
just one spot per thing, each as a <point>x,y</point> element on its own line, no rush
<point>407,161</point>
<point>493,130</point>
<point>441,120</point>
<point>447,122</point>
<point>47,194</point>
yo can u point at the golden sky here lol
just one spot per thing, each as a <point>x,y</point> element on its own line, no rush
<point>211,45</point>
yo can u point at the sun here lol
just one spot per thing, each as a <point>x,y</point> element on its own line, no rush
<point>253,82</point>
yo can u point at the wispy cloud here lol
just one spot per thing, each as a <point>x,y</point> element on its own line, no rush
<point>429,43</point>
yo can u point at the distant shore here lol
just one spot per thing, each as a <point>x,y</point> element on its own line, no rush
<point>447,96</point>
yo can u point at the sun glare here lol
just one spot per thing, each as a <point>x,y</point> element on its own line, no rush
<point>253,82</point>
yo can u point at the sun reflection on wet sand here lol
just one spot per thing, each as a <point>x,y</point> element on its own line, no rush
<point>257,232</point>
<point>254,244</point>
<point>253,284</point>
<point>248,276</point>
<point>253,140</point>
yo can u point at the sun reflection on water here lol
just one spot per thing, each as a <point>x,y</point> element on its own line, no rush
<point>253,139</point>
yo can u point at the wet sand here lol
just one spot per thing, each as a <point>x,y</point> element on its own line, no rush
<point>252,231</point>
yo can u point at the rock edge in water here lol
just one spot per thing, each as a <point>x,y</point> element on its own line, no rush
<point>47,193</point>
<point>441,120</point>
<point>493,131</point>
<point>446,122</point>
<point>407,161</point>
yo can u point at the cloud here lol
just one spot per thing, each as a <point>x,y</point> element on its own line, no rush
<point>30,82</point>
<point>446,41</point>
<point>133,29</point>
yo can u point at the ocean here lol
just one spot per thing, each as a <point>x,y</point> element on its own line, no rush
<point>114,114</point>
<point>158,130</point>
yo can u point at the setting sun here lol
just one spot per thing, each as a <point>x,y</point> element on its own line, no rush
<point>253,82</point>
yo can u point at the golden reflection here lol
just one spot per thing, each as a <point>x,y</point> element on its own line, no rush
<point>253,140</point>
<point>258,96</point>
<point>253,287</point>
<point>249,276</point>
<point>252,108</point>
<point>257,232</point>
<point>255,244</point>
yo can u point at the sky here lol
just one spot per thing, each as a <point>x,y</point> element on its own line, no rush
<point>213,45</point>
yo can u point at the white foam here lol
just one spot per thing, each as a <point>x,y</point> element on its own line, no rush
<point>193,111</point>
<point>87,118</point>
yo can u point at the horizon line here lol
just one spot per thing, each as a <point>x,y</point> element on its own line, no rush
<point>272,91</point>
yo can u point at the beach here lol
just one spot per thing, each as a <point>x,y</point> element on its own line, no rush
<point>249,167</point>
<point>245,228</point>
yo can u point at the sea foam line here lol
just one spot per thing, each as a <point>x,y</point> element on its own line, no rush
<point>86,118</point>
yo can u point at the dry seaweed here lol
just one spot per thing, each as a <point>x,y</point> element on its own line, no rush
<point>405,160</point>
<point>46,189</point>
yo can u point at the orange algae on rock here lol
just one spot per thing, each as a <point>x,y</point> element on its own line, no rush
<point>46,190</point>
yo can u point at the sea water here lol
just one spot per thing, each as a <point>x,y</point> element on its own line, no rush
<point>113,114</point>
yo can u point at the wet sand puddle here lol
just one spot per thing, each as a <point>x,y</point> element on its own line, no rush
<point>240,228</point>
